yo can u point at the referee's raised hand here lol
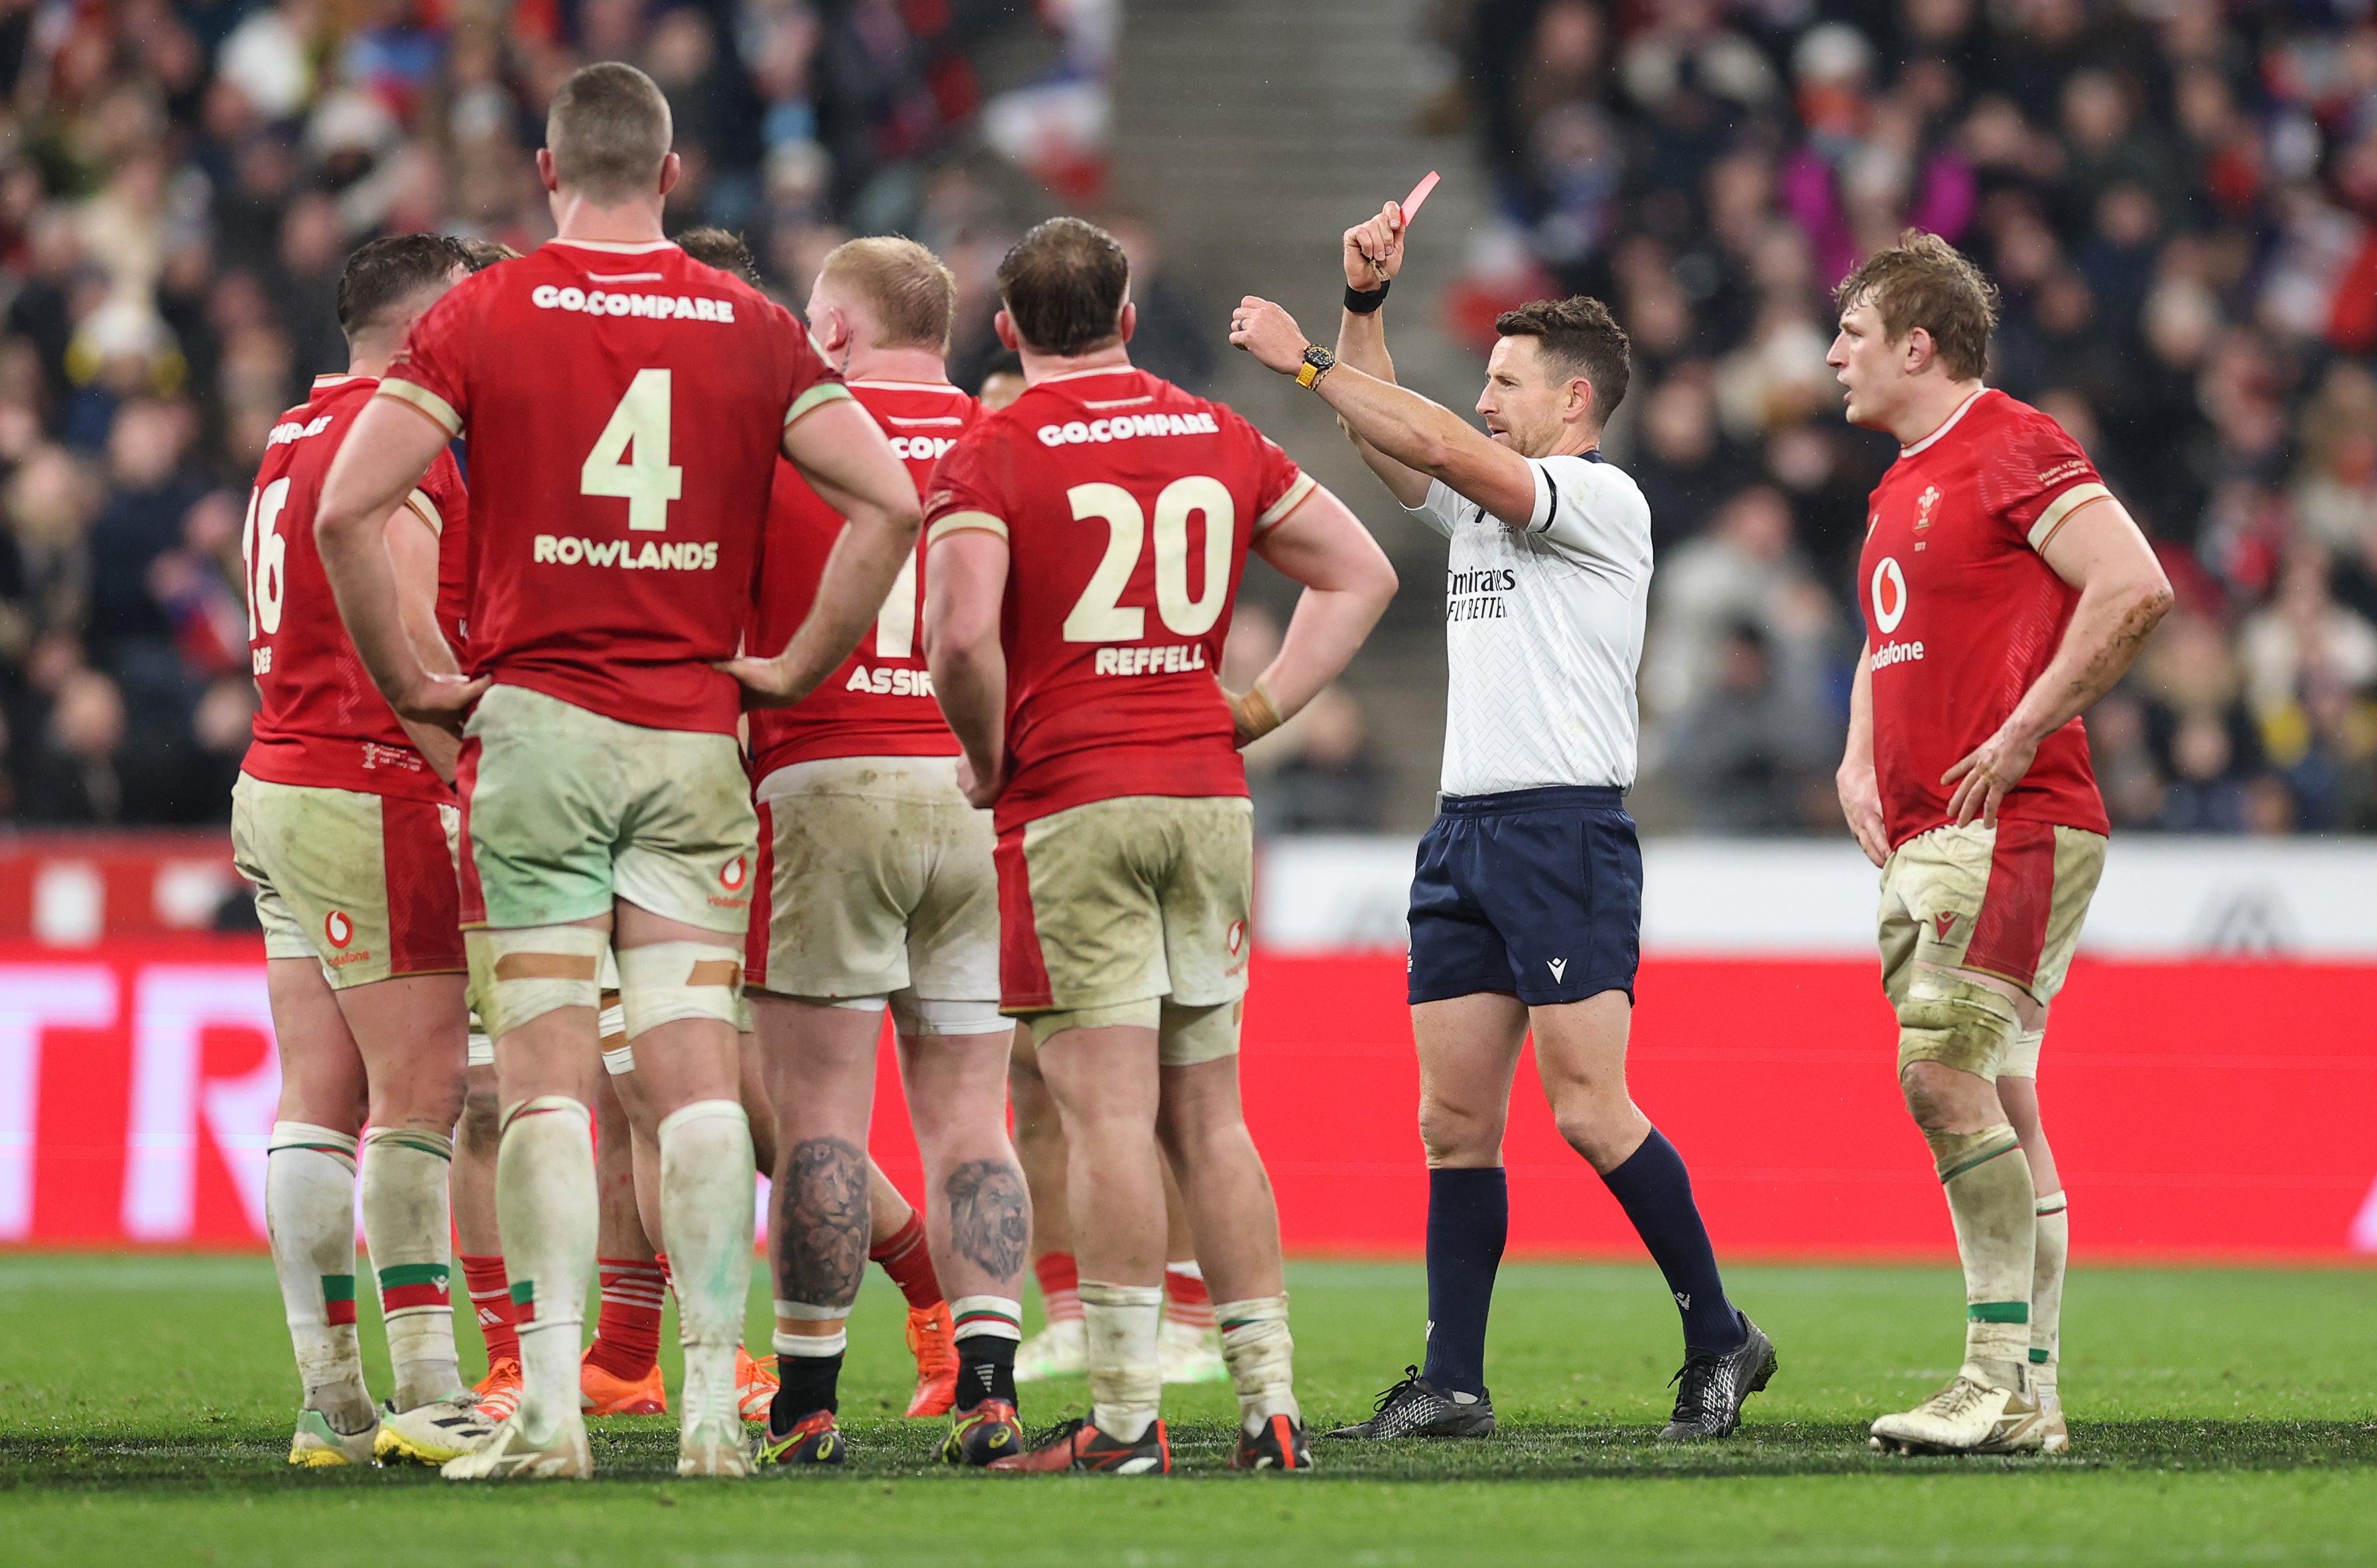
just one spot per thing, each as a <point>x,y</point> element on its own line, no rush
<point>1374,250</point>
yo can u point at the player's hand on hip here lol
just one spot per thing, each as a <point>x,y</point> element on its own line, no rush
<point>1985,778</point>
<point>979,790</point>
<point>1861,803</point>
<point>1374,250</point>
<point>766,682</point>
<point>441,702</point>
<point>1268,332</point>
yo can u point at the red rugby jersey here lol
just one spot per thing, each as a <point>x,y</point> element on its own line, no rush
<point>319,720</point>
<point>1128,505</point>
<point>625,407</point>
<point>881,701</point>
<point>1962,614</point>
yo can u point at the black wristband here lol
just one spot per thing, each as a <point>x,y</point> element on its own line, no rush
<point>1365,301</point>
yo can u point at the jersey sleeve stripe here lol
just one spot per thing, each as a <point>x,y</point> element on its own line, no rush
<point>426,510</point>
<point>965,522</point>
<point>816,398</point>
<point>1304,486</point>
<point>2058,511</point>
<point>423,400</point>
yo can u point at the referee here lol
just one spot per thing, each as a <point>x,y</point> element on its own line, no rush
<point>1526,903</point>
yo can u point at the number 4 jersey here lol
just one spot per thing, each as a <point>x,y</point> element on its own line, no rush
<point>881,701</point>
<point>319,720</point>
<point>625,407</point>
<point>1127,506</point>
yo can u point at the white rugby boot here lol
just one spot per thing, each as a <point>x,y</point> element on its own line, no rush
<point>1190,1355</point>
<point>432,1434</point>
<point>1988,1408</point>
<point>710,1440</point>
<point>317,1445</point>
<point>1062,1350</point>
<point>2055,1436</point>
<point>507,1454</point>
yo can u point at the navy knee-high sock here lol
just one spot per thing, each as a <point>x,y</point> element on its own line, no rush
<point>1468,1220</point>
<point>1656,1193</point>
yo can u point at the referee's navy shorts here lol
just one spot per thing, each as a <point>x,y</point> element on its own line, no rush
<point>1531,893</point>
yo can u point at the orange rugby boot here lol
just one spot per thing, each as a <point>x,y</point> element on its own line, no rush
<point>932,1339</point>
<point>755,1385</point>
<point>499,1391</point>
<point>601,1393</point>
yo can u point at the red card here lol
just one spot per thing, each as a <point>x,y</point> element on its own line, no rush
<point>1412,203</point>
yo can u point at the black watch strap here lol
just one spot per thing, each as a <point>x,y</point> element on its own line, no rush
<point>1365,301</point>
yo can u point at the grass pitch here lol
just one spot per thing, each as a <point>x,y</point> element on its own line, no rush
<point>2222,1415</point>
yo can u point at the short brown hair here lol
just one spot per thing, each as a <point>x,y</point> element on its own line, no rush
<point>1578,336</point>
<point>720,248</point>
<point>1925,281</point>
<point>914,297</point>
<point>609,131</point>
<point>480,254</point>
<point>385,273</point>
<point>1064,285</point>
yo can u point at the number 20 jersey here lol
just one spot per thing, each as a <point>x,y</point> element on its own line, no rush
<point>319,720</point>
<point>881,701</point>
<point>625,407</point>
<point>1128,505</point>
<point>1962,614</point>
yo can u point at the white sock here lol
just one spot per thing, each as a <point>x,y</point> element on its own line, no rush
<point>1123,1322</point>
<point>309,1212</point>
<point>2046,1289</point>
<point>1262,1354</point>
<point>545,1208</point>
<point>406,1226</point>
<point>706,1214</point>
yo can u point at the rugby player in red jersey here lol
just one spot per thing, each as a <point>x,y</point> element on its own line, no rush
<point>1085,548</point>
<point>339,819</point>
<point>2004,590</point>
<point>876,892</point>
<point>625,407</point>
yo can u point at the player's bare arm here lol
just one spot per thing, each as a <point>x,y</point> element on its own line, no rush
<point>1374,257</point>
<point>1415,433</point>
<point>965,585</point>
<point>378,465</point>
<point>412,555</point>
<point>2123,595</point>
<point>1347,582</point>
<point>841,453</point>
<point>1860,790</point>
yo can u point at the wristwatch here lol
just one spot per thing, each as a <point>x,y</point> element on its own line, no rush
<point>1317,363</point>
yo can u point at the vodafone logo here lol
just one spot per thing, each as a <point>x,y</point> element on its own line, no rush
<point>1236,937</point>
<point>338,929</point>
<point>732,875</point>
<point>1889,595</point>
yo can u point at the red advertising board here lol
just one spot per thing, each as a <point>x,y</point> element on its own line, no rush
<point>2198,1109</point>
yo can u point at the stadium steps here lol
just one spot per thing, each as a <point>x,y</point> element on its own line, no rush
<point>1250,133</point>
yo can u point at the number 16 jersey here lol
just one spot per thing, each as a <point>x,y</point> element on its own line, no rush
<point>1128,505</point>
<point>624,406</point>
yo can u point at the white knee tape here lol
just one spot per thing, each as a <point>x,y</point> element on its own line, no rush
<point>914,1017</point>
<point>619,1060</point>
<point>523,974</point>
<point>482,1049</point>
<point>668,980</point>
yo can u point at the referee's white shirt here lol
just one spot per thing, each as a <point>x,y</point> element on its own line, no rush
<point>1544,631</point>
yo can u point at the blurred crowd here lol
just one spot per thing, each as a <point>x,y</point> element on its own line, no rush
<point>181,184</point>
<point>2178,198</point>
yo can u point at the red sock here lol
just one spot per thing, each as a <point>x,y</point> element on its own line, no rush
<point>628,1333</point>
<point>1185,1299</point>
<point>909,1262</point>
<point>1060,1286</point>
<point>491,1300</point>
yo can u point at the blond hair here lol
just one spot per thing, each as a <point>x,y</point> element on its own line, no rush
<point>912,294</point>
<point>1925,281</point>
